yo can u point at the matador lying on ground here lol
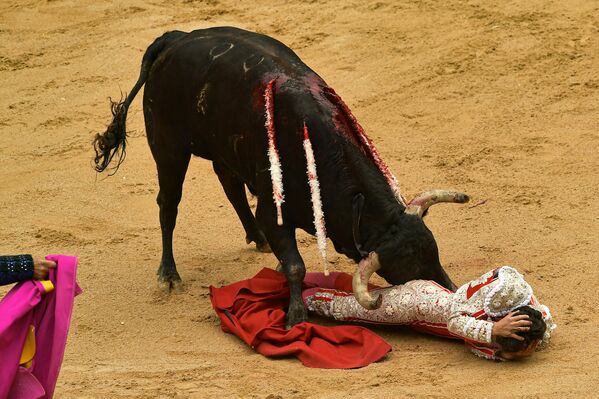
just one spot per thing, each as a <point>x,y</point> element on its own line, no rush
<point>496,315</point>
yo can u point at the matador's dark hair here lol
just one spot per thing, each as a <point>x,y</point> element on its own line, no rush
<point>536,331</point>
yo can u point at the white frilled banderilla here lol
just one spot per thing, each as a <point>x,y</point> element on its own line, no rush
<point>321,231</point>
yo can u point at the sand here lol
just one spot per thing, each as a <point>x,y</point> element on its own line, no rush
<point>497,99</point>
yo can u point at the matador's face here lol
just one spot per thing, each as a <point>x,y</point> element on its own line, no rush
<point>526,352</point>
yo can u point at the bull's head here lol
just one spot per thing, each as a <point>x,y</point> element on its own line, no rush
<point>408,252</point>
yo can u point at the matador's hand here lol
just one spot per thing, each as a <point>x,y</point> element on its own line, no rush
<point>510,325</point>
<point>41,267</point>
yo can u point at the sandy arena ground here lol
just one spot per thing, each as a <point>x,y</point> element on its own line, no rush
<point>498,100</point>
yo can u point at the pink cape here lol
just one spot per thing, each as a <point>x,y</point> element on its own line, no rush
<point>254,310</point>
<point>27,304</point>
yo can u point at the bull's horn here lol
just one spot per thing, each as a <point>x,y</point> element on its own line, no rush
<point>364,270</point>
<point>424,200</point>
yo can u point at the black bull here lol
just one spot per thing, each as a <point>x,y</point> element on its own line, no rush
<point>205,96</point>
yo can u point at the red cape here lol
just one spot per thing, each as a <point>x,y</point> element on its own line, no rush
<point>254,310</point>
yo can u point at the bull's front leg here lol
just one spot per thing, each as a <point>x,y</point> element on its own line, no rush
<point>282,242</point>
<point>292,265</point>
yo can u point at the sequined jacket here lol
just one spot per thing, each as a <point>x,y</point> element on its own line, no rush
<point>426,306</point>
<point>15,268</point>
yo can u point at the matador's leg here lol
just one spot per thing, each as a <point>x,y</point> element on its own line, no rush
<point>343,305</point>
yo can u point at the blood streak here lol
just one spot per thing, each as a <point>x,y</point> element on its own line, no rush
<point>358,136</point>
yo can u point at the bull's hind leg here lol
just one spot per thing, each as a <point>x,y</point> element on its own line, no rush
<point>235,191</point>
<point>172,166</point>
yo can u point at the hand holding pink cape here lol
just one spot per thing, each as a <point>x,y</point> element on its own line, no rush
<point>28,304</point>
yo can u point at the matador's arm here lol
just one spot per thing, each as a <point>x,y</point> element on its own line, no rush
<point>470,328</point>
<point>15,268</point>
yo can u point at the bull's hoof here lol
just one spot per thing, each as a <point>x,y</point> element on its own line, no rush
<point>263,247</point>
<point>170,284</point>
<point>295,316</point>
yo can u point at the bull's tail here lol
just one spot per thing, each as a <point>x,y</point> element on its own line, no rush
<point>113,141</point>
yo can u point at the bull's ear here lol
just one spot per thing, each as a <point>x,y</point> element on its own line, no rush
<point>357,206</point>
